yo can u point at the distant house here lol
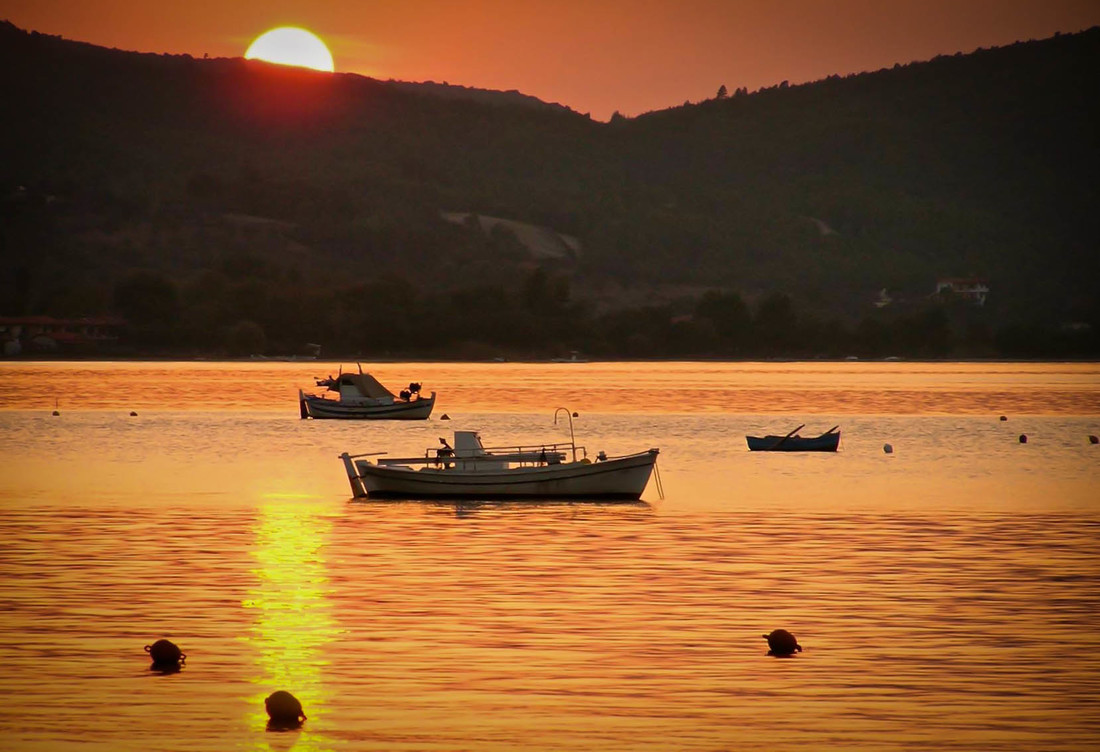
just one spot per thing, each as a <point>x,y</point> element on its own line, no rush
<point>20,334</point>
<point>971,289</point>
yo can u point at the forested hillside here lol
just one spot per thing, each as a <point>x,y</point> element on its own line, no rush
<point>227,207</point>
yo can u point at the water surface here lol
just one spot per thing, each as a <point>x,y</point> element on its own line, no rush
<point>945,594</point>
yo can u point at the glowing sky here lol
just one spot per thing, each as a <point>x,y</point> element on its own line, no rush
<point>595,56</point>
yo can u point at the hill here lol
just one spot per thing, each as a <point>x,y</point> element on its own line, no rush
<point>318,208</point>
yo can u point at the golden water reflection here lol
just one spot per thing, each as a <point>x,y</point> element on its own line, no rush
<point>293,622</point>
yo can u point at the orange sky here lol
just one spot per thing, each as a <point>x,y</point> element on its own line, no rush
<point>595,56</point>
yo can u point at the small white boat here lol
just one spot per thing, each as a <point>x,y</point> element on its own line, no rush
<point>362,397</point>
<point>469,470</point>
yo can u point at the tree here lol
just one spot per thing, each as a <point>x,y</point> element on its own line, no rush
<point>146,297</point>
<point>728,314</point>
<point>245,338</point>
<point>722,92</point>
<point>776,323</point>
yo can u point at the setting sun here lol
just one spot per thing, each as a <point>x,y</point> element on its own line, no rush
<point>288,45</point>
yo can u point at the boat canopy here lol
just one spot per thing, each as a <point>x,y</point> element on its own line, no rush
<point>367,385</point>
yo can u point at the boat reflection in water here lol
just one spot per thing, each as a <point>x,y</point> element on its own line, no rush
<point>469,508</point>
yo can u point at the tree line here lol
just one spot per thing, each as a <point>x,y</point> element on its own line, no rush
<point>214,315</point>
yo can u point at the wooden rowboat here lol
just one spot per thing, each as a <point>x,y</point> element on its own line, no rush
<point>792,442</point>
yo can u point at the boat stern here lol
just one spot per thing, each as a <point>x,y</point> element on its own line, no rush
<point>356,482</point>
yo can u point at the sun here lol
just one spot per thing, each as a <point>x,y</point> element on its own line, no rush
<point>289,45</point>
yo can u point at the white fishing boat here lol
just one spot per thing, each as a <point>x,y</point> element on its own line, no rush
<point>469,470</point>
<point>360,396</point>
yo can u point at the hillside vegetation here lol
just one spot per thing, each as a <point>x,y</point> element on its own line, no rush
<point>229,206</point>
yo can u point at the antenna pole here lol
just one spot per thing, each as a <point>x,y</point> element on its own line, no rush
<point>572,439</point>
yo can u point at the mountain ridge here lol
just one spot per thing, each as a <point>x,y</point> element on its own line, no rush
<point>966,165</point>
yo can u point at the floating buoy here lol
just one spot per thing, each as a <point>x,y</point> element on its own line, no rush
<point>444,416</point>
<point>1023,438</point>
<point>165,654</point>
<point>782,643</point>
<point>888,448</point>
<point>1093,439</point>
<point>56,411</point>
<point>1003,417</point>
<point>284,710</point>
<point>133,414</point>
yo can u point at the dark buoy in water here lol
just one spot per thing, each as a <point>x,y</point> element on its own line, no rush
<point>888,448</point>
<point>166,655</point>
<point>782,643</point>
<point>1004,417</point>
<point>284,710</point>
<point>1023,438</point>
<point>444,416</point>
<point>1094,439</point>
<point>55,410</point>
<point>133,414</point>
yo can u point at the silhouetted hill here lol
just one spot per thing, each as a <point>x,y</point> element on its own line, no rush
<point>489,96</point>
<point>980,164</point>
<point>250,192</point>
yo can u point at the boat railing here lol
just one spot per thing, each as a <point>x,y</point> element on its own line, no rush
<point>523,454</point>
<point>555,447</point>
<point>602,457</point>
<point>517,454</point>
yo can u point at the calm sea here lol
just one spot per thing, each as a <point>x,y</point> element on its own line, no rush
<point>946,595</point>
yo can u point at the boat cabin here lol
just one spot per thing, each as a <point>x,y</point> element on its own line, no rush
<point>359,389</point>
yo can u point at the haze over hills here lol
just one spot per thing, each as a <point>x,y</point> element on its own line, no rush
<point>322,208</point>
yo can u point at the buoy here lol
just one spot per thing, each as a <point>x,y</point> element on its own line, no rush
<point>888,448</point>
<point>284,710</point>
<point>133,414</point>
<point>165,653</point>
<point>1004,417</point>
<point>444,416</point>
<point>1093,439</point>
<point>56,411</point>
<point>782,643</point>
<point>1023,438</point>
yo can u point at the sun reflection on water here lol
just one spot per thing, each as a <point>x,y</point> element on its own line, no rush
<point>293,616</point>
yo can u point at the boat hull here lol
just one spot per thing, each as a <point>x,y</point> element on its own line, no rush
<point>327,409</point>
<point>825,443</point>
<point>623,478</point>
